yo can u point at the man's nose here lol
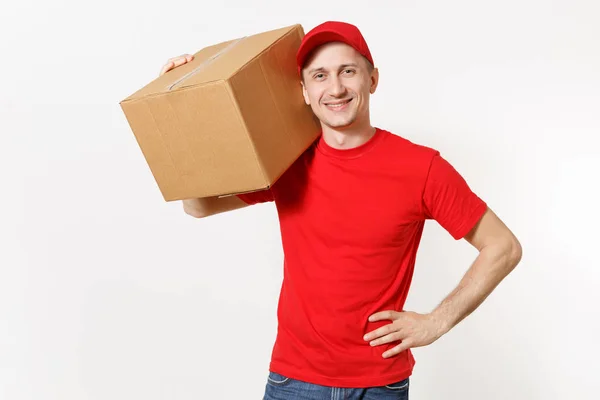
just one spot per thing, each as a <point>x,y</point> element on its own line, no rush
<point>336,88</point>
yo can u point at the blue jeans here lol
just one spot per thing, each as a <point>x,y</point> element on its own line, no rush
<point>280,387</point>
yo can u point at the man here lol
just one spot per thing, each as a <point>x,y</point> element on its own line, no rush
<point>352,210</point>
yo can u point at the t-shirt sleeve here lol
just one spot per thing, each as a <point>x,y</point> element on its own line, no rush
<point>448,199</point>
<point>261,196</point>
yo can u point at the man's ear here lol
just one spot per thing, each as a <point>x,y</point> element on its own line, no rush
<point>374,80</point>
<point>305,93</point>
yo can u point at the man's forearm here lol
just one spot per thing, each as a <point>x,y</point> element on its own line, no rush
<point>204,207</point>
<point>491,266</point>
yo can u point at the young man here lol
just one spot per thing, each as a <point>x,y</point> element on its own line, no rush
<point>352,210</point>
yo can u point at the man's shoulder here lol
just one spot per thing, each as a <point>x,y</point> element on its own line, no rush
<point>409,148</point>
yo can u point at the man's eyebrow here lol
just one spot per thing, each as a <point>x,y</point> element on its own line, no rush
<point>322,69</point>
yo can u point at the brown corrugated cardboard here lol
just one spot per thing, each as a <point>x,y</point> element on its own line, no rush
<point>230,121</point>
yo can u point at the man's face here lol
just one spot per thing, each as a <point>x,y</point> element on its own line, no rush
<point>337,85</point>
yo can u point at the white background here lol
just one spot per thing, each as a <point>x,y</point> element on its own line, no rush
<point>108,292</point>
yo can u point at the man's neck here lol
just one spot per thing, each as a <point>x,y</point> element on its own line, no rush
<point>347,138</point>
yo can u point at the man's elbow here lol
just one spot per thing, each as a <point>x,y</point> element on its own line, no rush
<point>195,214</point>
<point>194,211</point>
<point>506,251</point>
<point>514,251</point>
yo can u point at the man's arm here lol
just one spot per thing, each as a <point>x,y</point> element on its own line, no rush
<point>200,208</point>
<point>499,254</point>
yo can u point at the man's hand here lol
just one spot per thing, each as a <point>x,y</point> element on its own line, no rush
<point>414,330</point>
<point>176,62</point>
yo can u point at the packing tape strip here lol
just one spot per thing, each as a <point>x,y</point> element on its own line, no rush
<point>206,63</point>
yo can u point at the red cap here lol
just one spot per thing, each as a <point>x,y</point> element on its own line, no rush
<point>332,31</point>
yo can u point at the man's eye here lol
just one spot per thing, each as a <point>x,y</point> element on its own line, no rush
<point>348,71</point>
<point>319,76</point>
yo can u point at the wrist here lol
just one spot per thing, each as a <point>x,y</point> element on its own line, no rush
<point>441,323</point>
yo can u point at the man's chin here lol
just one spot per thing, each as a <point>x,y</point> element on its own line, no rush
<point>339,124</point>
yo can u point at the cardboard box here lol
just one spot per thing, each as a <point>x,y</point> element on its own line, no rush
<point>231,121</point>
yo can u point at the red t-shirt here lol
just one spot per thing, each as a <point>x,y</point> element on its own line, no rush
<point>351,222</point>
